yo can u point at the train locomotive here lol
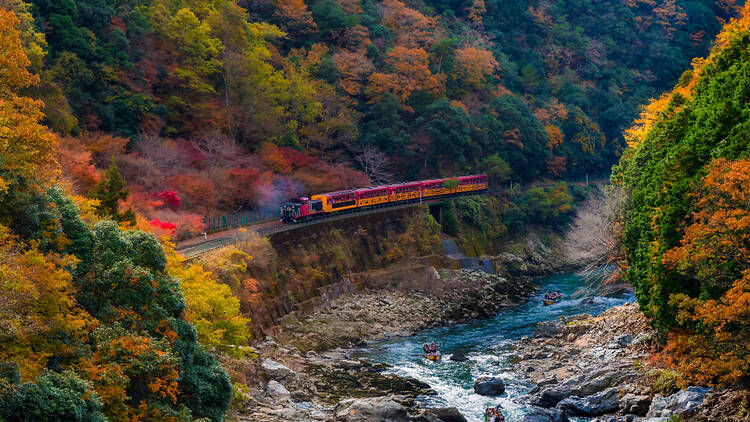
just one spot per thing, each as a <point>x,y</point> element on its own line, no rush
<point>303,208</point>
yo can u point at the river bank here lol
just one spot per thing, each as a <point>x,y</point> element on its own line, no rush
<point>596,367</point>
<point>309,366</point>
<point>306,366</point>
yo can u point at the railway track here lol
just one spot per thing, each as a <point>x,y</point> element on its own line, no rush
<point>195,247</point>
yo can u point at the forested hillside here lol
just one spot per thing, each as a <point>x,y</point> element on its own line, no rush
<point>686,225</point>
<point>237,104</point>
<point>120,118</point>
<point>93,323</point>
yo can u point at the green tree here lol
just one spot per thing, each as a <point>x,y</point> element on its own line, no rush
<point>497,169</point>
<point>110,191</point>
<point>449,128</point>
<point>384,127</point>
<point>51,397</point>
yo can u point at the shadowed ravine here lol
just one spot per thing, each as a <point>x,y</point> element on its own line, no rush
<point>486,344</point>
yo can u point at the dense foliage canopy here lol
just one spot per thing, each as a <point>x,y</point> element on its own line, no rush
<point>686,226</point>
<point>93,323</point>
<point>241,103</point>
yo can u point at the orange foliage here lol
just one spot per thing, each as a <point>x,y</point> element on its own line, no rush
<point>274,158</point>
<point>720,229</point>
<point>27,149</point>
<point>352,7</point>
<point>554,136</point>
<point>459,104</point>
<point>411,72</point>
<point>668,15</point>
<point>697,37</point>
<point>132,359</point>
<point>540,13</point>
<point>477,11</point>
<point>103,146</point>
<point>197,191</point>
<point>715,249</point>
<point>513,137</point>
<point>474,65</point>
<point>76,163</point>
<point>296,15</point>
<point>556,166</point>
<point>412,28</point>
<point>40,317</point>
<point>353,67</point>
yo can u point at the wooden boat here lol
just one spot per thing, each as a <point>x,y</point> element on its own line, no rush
<point>432,356</point>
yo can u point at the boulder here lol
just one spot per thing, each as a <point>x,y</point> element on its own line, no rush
<point>606,401</point>
<point>583,385</point>
<point>543,383</point>
<point>445,414</point>
<point>278,372</point>
<point>459,357</point>
<point>550,328</point>
<point>489,386</point>
<point>677,403</point>
<point>382,409</point>
<point>544,415</point>
<point>277,391</point>
<point>634,404</point>
<point>550,396</point>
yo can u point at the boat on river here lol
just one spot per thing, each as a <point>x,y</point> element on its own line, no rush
<point>551,297</point>
<point>432,356</point>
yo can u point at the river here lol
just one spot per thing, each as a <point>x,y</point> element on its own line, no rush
<point>486,344</point>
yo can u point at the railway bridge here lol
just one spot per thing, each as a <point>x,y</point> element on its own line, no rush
<point>228,229</point>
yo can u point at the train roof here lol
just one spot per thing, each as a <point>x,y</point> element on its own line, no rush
<point>340,192</point>
<point>393,185</point>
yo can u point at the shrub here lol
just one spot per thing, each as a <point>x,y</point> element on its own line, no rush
<point>52,397</point>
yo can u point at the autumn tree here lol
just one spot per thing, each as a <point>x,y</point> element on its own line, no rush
<point>410,72</point>
<point>473,66</point>
<point>26,147</point>
<point>193,55</point>
<point>296,17</point>
<point>412,28</point>
<point>211,306</point>
<point>39,312</point>
<point>715,252</point>
<point>353,69</point>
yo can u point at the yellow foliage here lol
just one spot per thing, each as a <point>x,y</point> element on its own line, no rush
<point>210,304</point>
<point>27,149</point>
<point>38,308</point>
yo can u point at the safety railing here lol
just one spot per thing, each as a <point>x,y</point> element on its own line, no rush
<point>240,219</point>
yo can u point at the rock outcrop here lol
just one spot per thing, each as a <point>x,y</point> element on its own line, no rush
<point>443,414</point>
<point>587,366</point>
<point>489,386</point>
<point>677,403</point>
<point>372,409</point>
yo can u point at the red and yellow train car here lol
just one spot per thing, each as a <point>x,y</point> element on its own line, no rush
<point>299,209</point>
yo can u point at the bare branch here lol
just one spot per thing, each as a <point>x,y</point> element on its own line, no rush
<point>376,165</point>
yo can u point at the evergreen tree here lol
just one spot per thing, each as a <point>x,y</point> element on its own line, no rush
<point>109,192</point>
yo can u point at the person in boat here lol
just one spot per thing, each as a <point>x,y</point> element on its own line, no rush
<point>433,347</point>
<point>494,414</point>
<point>426,348</point>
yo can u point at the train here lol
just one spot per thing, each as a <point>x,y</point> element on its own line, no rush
<point>299,209</point>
